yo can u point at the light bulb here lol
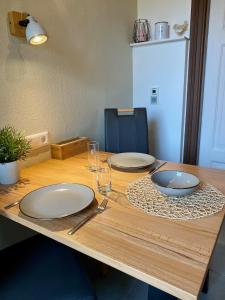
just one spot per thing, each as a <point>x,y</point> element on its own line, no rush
<point>38,39</point>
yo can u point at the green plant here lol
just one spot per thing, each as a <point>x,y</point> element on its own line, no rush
<point>13,145</point>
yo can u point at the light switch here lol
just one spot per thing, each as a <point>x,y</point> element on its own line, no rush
<point>154,97</point>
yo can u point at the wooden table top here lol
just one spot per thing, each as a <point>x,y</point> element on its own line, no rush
<point>170,255</point>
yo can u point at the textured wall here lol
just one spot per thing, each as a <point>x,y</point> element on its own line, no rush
<point>64,85</point>
<point>173,11</point>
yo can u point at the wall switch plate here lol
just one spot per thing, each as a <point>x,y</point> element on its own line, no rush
<point>38,140</point>
<point>154,97</point>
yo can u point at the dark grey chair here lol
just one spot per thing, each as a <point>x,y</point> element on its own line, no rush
<point>129,133</point>
<point>156,294</point>
<point>126,132</point>
<point>40,268</point>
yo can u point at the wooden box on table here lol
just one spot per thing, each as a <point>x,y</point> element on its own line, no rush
<point>69,148</point>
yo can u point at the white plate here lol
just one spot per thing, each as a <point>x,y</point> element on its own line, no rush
<point>56,201</point>
<point>131,160</point>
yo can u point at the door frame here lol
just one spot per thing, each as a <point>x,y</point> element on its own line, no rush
<point>200,10</point>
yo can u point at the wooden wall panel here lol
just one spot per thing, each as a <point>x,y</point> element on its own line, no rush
<point>198,43</point>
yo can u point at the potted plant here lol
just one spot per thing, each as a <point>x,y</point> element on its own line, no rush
<point>13,147</point>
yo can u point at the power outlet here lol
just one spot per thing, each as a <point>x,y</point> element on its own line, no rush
<point>38,140</point>
<point>154,98</point>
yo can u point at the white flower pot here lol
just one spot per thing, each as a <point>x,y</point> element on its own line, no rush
<point>9,172</point>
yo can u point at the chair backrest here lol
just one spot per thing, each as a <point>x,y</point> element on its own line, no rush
<point>126,132</point>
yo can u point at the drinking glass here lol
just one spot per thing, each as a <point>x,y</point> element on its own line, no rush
<point>93,156</point>
<point>104,180</point>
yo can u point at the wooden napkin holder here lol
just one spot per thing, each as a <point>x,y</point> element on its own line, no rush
<point>69,148</point>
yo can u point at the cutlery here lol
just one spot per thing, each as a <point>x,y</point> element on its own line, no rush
<point>157,167</point>
<point>12,205</point>
<point>98,210</point>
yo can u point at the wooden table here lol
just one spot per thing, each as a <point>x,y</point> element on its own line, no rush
<point>170,255</point>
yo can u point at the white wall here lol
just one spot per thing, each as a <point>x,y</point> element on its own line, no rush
<point>162,66</point>
<point>173,11</point>
<point>64,85</point>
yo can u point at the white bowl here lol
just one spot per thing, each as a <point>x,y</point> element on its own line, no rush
<point>175,183</point>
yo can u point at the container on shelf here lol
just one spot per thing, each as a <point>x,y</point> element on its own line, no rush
<point>141,31</point>
<point>161,30</point>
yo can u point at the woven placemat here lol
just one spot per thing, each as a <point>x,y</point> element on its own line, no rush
<point>206,201</point>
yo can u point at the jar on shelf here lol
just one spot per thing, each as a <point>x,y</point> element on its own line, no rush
<point>141,31</point>
<point>161,30</point>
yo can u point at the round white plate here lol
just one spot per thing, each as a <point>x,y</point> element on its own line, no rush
<point>131,160</point>
<point>56,201</point>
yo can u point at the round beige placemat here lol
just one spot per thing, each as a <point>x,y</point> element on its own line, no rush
<point>206,201</point>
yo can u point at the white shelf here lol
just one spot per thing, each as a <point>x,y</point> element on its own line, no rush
<point>155,42</point>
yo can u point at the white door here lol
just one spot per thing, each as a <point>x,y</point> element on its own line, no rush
<point>212,141</point>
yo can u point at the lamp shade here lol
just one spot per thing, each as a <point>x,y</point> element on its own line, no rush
<point>35,33</point>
